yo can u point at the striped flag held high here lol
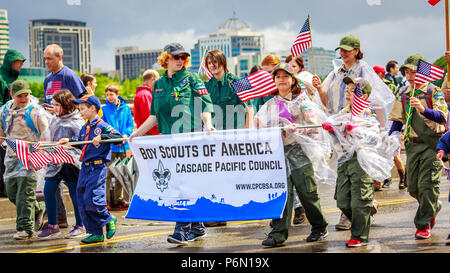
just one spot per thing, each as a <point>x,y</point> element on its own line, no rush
<point>303,40</point>
<point>427,72</point>
<point>20,147</point>
<point>255,85</point>
<point>59,155</point>
<point>206,71</point>
<point>359,104</point>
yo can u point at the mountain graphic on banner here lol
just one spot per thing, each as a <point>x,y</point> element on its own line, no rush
<point>205,210</point>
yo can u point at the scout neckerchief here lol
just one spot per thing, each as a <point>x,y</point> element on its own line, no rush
<point>409,111</point>
<point>88,129</point>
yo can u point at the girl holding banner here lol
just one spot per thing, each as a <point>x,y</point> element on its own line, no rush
<point>303,148</point>
<point>175,92</point>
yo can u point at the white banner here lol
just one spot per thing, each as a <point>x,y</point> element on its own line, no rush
<point>225,176</point>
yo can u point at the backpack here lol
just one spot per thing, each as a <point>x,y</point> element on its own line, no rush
<point>28,119</point>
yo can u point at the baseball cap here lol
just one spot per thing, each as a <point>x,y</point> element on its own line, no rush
<point>175,49</point>
<point>20,87</point>
<point>365,85</point>
<point>379,68</point>
<point>89,99</point>
<point>349,42</point>
<point>412,61</point>
<point>283,66</point>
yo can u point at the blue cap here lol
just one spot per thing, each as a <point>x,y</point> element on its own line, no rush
<point>89,99</point>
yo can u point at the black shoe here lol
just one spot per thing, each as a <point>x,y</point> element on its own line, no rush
<point>271,242</point>
<point>387,183</point>
<point>215,224</point>
<point>317,236</point>
<point>401,186</point>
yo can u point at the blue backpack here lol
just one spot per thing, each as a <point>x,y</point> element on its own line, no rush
<point>28,119</point>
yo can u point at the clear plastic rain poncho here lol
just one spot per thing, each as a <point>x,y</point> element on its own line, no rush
<point>381,97</point>
<point>375,149</point>
<point>13,167</point>
<point>314,143</point>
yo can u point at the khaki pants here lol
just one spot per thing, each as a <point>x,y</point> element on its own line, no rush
<point>305,184</point>
<point>423,179</point>
<point>21,192</point>
<point>118,192</point>
<point>355,195</point>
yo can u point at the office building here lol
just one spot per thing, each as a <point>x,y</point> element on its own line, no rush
<point>132,62</point>
<point>4,34</point>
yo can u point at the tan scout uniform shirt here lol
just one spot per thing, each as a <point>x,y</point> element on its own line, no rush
<point>438,102</point>
<point>367,113</point>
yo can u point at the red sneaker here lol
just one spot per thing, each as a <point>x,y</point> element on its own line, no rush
<point>423,234</point>
<point>355,243</point>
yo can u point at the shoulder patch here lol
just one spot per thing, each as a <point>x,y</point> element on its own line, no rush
<point>438,96</point>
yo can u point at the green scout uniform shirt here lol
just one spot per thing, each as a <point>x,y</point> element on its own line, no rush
<point>179,101</point>
<point>437,98</point>
<point>223,95</point>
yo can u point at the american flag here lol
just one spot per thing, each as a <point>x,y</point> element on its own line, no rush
<point>255,85</point>
<point>53,87</point>
<point>19,147</point>
<point>427,72</point>
<point>37,158</point>
<point>303,40</point>
<point>206,71</point>
<point>59,155</point>
<point>359,103</point>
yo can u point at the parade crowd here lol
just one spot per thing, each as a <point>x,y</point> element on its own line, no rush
<point>399,114</point>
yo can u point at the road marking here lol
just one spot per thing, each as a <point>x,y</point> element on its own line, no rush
<point>152,234</point>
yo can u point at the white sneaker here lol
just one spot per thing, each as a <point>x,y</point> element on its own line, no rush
<point>22,235</point>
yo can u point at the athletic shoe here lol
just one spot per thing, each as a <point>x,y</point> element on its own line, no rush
<point>22,235</point>
<point>299,216</point>
<point>49,232</point>
<point>215,224</point>
<point>433,221</point>
<point>177,238</point>
<point>111,227</point>
<point>423,234</point>
<point>271,242</point>
<point>76,232</point>
<point>344,223</point>
<point>317,236</point>
<point>387,183</point>
<point>355,243</point>
<point>93,239</point>
<point>195,237</point>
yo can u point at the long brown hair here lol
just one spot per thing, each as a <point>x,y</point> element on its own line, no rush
<point>295,87</point>
<point>65,97</point>
<point>219,57</point>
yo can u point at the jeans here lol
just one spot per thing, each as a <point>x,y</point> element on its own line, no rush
<point>50,188</point>
<point>185,228</point>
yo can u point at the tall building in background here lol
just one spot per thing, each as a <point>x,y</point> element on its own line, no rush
<point>4,34</point>
<point>74,37</point>
<point>131,62</point>
<point>242,47</point>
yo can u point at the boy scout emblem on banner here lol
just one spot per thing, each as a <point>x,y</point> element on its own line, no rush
<point>225,176</point>
<point>161,176</point>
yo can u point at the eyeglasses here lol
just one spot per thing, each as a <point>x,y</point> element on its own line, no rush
<point>183,57</point>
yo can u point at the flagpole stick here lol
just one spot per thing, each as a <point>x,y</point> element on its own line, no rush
<point>312,50</point>
<point>447,38</point>
<point>48,145</point>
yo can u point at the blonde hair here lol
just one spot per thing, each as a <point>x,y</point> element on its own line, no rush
<point>164,58</point>
<point>112,87</point>
<point>150,74</point>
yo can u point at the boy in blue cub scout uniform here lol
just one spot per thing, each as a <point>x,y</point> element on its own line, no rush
<point>91,187</point>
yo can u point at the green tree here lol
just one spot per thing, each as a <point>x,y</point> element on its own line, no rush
<point>441,63</point>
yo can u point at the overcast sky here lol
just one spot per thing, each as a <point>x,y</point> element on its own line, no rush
<point>387,29</point>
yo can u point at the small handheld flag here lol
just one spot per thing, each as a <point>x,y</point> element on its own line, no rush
<point>303,40</point>
<point>427,72</point>
<point>359,103</point>
<point>255,85</point>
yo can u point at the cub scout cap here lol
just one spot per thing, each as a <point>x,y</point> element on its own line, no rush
<point>365,85</point>
<point>175,49</point>
<point>20,87</point>
<point>283,66</point>
<point>412,61</point>
<point>89,99</point>
<point>349,42</point>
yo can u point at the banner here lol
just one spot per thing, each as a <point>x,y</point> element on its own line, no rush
<point>225,176</point>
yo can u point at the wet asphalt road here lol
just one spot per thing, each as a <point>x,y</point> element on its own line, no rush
<point>392,232</point>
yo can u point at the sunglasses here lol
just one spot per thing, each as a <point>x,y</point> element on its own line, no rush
<point>183,57</point>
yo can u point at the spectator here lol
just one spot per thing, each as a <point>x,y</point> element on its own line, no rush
<point>117,113</point>
<point>20,182</point>
<point>9,72</point>
<point>392,73</point>
<point>90,83</point>
<point>143,100</point>
<point>60,76</point>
